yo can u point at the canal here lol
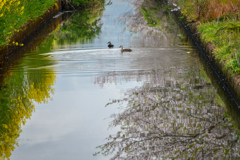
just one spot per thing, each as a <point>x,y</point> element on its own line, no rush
<point>70,97</point>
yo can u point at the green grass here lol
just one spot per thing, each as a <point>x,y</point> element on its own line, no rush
<point>226,37</point>
<point>222,30</point>
<point>15,14</point>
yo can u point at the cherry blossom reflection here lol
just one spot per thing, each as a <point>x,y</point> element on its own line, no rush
<point>177,117</point>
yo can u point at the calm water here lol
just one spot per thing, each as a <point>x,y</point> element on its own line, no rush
<point>58,100</point>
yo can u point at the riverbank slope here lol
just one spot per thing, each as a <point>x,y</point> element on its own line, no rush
<point>19,25</point>
<point>216,35</point>
<point>21,20</point>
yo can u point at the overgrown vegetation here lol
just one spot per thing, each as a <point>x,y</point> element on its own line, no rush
<point>219,23</point>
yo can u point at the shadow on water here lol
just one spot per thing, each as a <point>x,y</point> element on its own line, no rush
<point>27,76</point>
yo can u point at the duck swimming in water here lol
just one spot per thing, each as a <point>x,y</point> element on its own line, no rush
<point>110,45</point>
<point>125,50</point>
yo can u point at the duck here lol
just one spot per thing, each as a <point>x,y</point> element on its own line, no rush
<point>125,50</point>
<point>110,45</point>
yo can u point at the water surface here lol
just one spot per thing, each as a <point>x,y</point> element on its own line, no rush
<point>58,99</point>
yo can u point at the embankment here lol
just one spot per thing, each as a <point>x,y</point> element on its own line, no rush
<point>32,40</point>
<point>27,31</point>
<point>228,83</point>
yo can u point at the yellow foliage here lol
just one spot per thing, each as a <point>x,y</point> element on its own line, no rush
<point>7,5</point>
<point>56,6</point>
<point>17,101</point>
<point>19,105</point>
<point>10,10</point>
<point>41,92</point>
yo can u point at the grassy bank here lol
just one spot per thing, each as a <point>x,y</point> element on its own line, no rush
<point>226,37</point>
<point>14,14</point>
<point>218,22</point>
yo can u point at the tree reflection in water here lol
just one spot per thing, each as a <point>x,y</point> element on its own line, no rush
<point>177,117</point>
<point>31,80</point>
<point>84,26</point>
<point>23,85</point>
<point>17,96</point>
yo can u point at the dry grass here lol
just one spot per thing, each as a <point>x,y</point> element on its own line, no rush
<point>218,8</point>
<point>205,10</point>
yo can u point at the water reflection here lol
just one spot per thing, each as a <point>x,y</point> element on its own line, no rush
<point>82,27</point>
<point>164,33</point>
<point>175,110</point>
<point>18,93</point>
<point>24,82</point>
<point>176,115</point>
<point>29,75</point>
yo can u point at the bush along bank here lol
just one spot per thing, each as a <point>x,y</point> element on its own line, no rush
<point>215,25</point>
<point>20,19</point>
